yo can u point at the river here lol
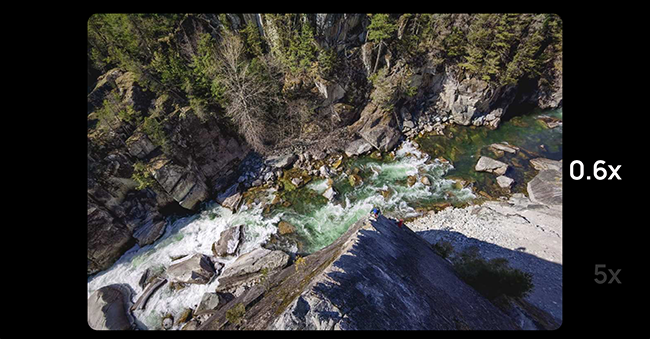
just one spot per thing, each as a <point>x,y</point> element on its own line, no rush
<point>318,222</point>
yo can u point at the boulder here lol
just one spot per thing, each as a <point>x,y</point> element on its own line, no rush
<point>233,202</point>
<point>197,269</point>
<point>285,228</point>
<point>209,301</point>
<point>502,147</point>
<point>230,198</point>
<point>358,147</point>
<point>331,91</point>
<point>487,164</point>
<point>168,322</point>
<point>149,232</point>
<point>282,161</point>
<point>378,127</point>
<point>325,171</point>
<point>183,184</point>
<point>108,308</point>
<point>248,268</point>
<point>297,181</point>
<point>425,180</point>
<point>541,164</point>
<point>546,188</point>
<point>505,182</point>
<point>329,193</point>
<point>229,241</point>
<point>139,145</point>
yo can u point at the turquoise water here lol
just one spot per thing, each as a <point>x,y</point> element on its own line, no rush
<point>463,146</point>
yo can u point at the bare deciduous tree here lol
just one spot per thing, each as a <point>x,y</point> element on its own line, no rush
<point>248,97</point>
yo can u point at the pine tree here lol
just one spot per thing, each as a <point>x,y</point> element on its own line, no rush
<point>381,28</point>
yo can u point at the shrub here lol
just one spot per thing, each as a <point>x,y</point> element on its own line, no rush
<point>443,248</point>
<point>142,176</point>
<point>235,314</point>
<point>492,278</point>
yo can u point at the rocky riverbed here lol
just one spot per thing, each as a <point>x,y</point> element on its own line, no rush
<point>286,207</point>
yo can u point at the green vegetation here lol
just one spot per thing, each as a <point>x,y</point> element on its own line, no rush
<point>142,176</point>
<point>261,79</point>
<point>493,278</point>
<point>155,132</point>
<point>299,263</point>
<point>235,315</point>
<point>443,248</point>
<point>381,28</point>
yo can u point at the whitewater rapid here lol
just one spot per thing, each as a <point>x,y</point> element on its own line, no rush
<point>320,226</point>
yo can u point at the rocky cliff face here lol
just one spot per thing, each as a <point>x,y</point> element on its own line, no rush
<point>200,155</point>
<point>375,276</point>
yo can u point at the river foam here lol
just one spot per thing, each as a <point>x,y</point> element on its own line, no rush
<point>320,226</point>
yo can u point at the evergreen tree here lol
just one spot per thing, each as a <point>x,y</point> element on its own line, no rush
<point>381,28</point>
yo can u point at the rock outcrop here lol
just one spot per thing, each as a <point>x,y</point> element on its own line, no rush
<point>108,308</point>
<point>229,241</point>
<point>197,269</point>
<point>358,147</point>
<point>487,164</point>
<point>378,127</point>
<point>376,276</point>
<point>546,186</point>
<point>196,153</point>
<point>249,267</point>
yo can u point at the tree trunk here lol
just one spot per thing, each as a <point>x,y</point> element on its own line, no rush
<point>378,55</point>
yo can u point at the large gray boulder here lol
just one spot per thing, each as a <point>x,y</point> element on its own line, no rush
<point>230,198</point>
<point>358,147</point>
<point>248,268</point>
<point>500,148</point>
<point>182,183</point>
<point>139,145</point>
<point>487,164</point>
<point>149,232</point>
<point>283,161</point>
<point>505,182</point>
<point>329,193</point>
<point>209,301</point>
<point>197,269</point>
<point>108,308</point>
<point>378,127</point>
<point>541,164</point>
<point>229,241</point>
<point>331,91</point>
<point>546,188</point>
